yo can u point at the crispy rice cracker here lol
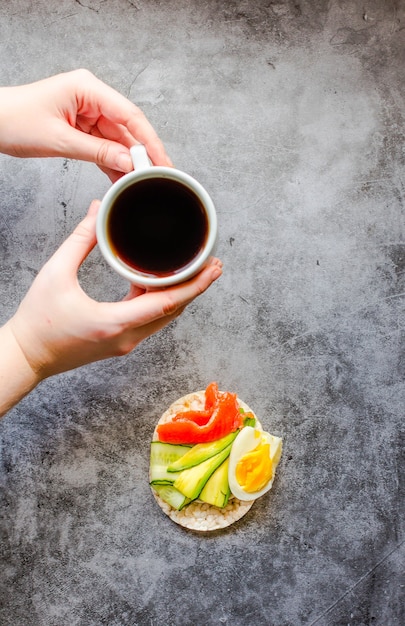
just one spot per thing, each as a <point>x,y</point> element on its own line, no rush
<point>200,515</point>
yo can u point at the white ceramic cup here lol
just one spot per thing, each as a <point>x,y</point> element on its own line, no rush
<point>143,170</point>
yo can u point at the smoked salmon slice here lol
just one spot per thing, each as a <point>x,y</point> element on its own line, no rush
<point>220,417</point>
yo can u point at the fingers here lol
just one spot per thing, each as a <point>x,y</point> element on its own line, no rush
<point>112,174</point>
<point>138,334</point>
<point>114,132</point>
<point>134,292</point>
<point>108,154</point>
<point>115,107</point>
<point>153,310</point>
<point>155,305</point>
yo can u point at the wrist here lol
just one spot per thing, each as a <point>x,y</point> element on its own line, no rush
<point>16,134</point>
<point>6,120</point>
<point>17,378</point>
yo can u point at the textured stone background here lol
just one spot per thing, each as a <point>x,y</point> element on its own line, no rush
<point>292,115</point>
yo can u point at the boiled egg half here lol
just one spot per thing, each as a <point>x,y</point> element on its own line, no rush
<point>252,463</point>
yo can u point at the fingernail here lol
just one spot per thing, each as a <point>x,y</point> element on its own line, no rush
<point>124,162</point>
<point>216,273</point>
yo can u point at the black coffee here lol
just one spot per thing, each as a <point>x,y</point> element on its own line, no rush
<point>157,226</point>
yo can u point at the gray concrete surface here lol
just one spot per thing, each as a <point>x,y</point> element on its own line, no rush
<point>291,113</point>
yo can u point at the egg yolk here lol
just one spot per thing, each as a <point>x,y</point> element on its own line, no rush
<point>254,470</point>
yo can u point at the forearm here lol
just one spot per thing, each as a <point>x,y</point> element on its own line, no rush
<point>17,378</point>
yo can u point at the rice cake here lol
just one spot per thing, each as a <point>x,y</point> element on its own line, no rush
<point>199,515</point>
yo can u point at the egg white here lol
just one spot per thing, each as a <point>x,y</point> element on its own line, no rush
<point>248,439</point>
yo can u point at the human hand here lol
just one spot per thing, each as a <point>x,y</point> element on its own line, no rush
<point>59,327</point>
<point>75,115</point>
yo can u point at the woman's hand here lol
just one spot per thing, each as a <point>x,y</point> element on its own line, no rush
<point>58,327</point>
<point>75,115</point>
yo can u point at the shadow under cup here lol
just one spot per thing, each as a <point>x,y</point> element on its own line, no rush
<point>157,227</point>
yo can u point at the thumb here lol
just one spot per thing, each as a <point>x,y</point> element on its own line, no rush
<point>80,243</point>
<point>108,154</point>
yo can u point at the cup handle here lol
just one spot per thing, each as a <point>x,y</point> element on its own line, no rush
<point>140,157</point>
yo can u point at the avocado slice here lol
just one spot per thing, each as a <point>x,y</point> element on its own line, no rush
<point>191,481</point>
<point>201,452</point>
<point>216,490</point>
